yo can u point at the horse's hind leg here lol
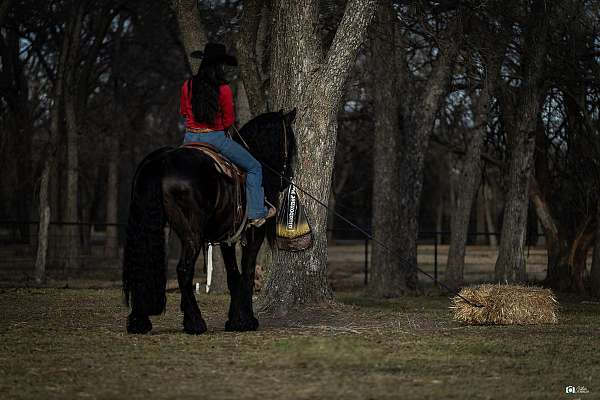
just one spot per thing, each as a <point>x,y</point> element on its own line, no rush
<point>193,323</point>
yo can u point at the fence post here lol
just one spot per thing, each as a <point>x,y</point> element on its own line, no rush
<point>366,261</point>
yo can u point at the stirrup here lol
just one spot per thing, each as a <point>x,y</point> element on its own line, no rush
<point>258,222</point>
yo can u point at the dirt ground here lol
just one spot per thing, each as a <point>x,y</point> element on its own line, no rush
<point>70,344</point>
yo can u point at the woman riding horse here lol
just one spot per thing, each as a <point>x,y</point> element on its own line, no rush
<point>207,105</point>
<point>182,187</point>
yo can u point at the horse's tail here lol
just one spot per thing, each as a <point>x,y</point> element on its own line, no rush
<point>144,259</point>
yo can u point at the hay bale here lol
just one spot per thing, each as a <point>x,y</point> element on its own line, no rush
<point>505,305</point>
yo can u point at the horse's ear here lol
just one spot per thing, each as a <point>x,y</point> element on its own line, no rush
<point>291,116</point>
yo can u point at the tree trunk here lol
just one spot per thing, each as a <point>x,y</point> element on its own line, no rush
<point>44,213</point>
<point>191,31</point>
<point>243,113</point>
<point>416,144</point>
<point>218,283</point>
<point>510,265</point>
<point>5,6</point>
<point>439,219</point>
<point>111,245</point>
<point>578,258</point>
<point>331,219</point>
<point>303,77</point>
<point>489,216</point>
<point>470,177</point>
<point>595,270</point>
<point>387,279</point>
<point>72,231</point>
<point>480,238</point>
<point>247,57</point>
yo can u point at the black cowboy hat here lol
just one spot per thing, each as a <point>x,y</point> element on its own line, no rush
<point>215,53</point>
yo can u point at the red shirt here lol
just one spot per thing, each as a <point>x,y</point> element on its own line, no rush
<point>225,116</point>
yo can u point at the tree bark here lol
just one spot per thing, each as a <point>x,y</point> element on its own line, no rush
<point>416,144</point>
<point>191,30</point>
<point>45,203</point>
<point>44,215</point>
<point>72,231</point>
<point>4,9</point>
<point>386,277</point>
<point>302,77</point>
<point>480,239</point>
<point>510,265</point>
<point>489,216</point>
<point>111,244</point>
<point>469,178</point>
<point>247,57</point>
<point>595,270</point>
<point>243,113</point>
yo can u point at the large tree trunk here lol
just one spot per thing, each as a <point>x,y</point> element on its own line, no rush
<point>416,144</point>
<point>247,57</point>
<point>469,178</point>
<point>510,265</point>
<point>45,201</point>
<point>595,270</point>
<point>72,230</point>
<point>302,77</point>
<point>386,277</point>
<point>489,215</point>
<point>192,34</point>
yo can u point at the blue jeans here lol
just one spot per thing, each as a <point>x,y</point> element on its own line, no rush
<point>255,196</point>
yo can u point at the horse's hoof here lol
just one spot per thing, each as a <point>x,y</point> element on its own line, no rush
<point>194,325</point>
<point>241,325</point>
<point>138,325</point>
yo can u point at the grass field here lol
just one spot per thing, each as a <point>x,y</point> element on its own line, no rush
<point>71,344</point>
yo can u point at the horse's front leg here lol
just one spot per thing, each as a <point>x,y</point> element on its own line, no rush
<point>193,323</point>
<point>249,255</point>
<point>238,318</point>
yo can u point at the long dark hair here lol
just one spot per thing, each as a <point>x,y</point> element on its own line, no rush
<point>205,91</point>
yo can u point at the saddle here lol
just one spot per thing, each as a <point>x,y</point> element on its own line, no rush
<point>222,164</point>
<point>238,178</point>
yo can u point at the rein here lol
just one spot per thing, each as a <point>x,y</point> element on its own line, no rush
<point>383,245</point>
<point>285,149</point>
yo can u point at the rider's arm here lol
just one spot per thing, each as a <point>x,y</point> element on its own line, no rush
<point>226,106</point>
<point>184,100</point>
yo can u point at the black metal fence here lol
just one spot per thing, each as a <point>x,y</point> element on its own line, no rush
<point>436,239</point>
<point>19,240</point>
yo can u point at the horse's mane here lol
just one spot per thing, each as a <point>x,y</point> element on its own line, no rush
<point>265,138</point>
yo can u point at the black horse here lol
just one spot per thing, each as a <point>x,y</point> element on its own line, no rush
<point>181,186</point>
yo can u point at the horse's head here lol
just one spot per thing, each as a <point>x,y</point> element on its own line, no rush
<point>270,138</point>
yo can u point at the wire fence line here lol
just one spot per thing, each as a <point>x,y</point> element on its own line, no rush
<point>19,239</point>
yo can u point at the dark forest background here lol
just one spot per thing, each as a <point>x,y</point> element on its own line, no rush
<point>458,116</point>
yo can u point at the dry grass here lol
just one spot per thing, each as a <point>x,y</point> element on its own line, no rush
<point>505,305</point>
<point>70,344</point>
